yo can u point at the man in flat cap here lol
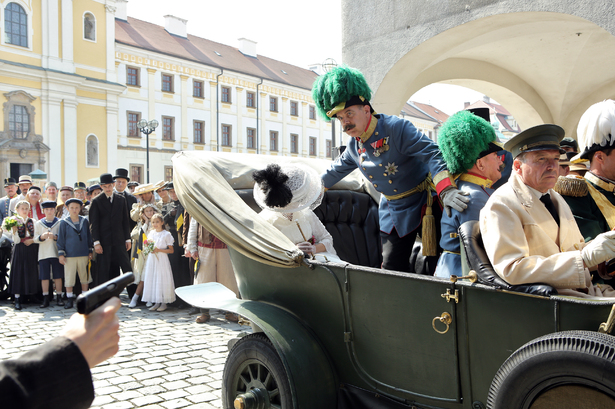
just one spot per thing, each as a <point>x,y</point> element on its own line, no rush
<point>592,198</point>
<point>529,232</point>
<point>401,163</point>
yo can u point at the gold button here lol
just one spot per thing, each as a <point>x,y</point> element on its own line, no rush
<point>375,185</point>
<point>390,181</point>
<point>385,174</point>
<point>363,168</point>
<point>395,190</point>
<point>371,177</point>
<point>376,133</point>
<point>380,164</point>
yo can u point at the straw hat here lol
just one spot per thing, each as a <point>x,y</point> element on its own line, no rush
<point>147,187</point>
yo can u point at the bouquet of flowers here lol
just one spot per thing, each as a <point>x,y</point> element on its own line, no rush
<point>148,247</point>
<point>10,222</point>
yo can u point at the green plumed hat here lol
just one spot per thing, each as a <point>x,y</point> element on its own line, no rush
<point>339,89</point>
<point>464,138</point>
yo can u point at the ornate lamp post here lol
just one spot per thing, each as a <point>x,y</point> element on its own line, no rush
<point>147,128</point>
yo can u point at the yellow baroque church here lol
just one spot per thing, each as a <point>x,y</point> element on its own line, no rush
<point>77,76</point>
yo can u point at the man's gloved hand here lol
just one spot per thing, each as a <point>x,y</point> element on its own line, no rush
<point>599,250</point>
<point>454,198</point>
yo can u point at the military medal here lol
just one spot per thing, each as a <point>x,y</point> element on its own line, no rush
<point>380,146</point>
<point>391,168</point>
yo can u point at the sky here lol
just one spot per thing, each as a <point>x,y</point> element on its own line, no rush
<point>296,32</point>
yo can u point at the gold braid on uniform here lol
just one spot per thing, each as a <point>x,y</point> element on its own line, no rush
<point>574,187</point>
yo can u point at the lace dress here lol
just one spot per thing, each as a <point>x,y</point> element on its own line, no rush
<point>158,285</point>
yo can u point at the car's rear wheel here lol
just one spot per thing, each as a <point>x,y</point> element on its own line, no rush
<point>254,376</point>
<point>563,370</point>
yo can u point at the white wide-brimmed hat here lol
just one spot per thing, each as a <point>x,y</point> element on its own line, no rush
<point>304,183</point>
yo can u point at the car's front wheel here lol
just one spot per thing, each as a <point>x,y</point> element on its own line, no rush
<point>571,369</point>
<point>254,376</point>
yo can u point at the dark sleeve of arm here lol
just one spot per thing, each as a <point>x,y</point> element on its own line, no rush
<point>126,221</point>
<point>89,237</point>
<point>94,218</point>
<point>53,375</point>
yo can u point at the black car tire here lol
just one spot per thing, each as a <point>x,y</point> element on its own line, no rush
<point>561,370</point>
<point>254,363</point>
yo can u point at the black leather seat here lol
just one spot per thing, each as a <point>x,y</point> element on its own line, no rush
<point>477,260</point>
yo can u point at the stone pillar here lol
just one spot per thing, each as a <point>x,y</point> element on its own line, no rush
<point>110,42</point>
<point>67,36</point>
<point>70,142</point>
<point>282,138</point>
<point>52,134</point>
<point>112,134</point>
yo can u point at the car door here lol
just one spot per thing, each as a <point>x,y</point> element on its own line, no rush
<point>397,341</point>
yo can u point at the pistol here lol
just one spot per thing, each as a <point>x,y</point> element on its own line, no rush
<point>97,296</point>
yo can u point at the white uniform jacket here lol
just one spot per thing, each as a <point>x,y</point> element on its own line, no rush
<point>523,241</point>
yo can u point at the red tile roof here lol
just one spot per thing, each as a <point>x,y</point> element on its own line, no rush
<point>499,111</point>
<point>152,37</point>
<point>431,111</point>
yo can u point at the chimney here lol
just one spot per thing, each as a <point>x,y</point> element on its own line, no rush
<point>175,25</point>
<point>466,105</point>
<point>486,99</point>
<point>247,47</point>
<point>121,11</point>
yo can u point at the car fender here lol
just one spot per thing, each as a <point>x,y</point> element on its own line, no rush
<point>311,375</point>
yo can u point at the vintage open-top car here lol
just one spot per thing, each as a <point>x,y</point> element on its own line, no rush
<point>353,335</point>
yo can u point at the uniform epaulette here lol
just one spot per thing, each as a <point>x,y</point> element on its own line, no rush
<point>575,187</point>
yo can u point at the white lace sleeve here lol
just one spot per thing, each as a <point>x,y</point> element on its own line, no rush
<point>321,234</point>
<point>192,235</point>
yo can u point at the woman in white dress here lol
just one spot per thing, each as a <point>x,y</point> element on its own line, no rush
<point>288,196</point>
<point>158,284</point>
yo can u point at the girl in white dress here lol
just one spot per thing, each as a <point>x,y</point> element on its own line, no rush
<point>158,286</point>
<point>288,195</point>
<point>143,227</point>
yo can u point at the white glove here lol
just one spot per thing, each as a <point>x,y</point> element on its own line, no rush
<point>599,250</point>
<point>454,198</point>
<point>306,247</point>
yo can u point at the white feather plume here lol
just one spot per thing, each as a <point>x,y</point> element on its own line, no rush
<point>597,125</point>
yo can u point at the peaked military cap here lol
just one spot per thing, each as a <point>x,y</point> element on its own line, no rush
<point>537,138</point>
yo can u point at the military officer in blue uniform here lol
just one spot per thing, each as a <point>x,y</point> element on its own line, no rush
<point>404,165</point>
<point>469,146</point>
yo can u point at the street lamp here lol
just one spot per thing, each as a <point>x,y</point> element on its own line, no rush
<point>147,128</point>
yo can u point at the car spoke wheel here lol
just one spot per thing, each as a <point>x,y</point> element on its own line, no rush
<point>561,370</point>
<point>254,374</point>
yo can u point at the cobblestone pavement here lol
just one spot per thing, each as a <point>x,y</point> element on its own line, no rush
<point>165,361</point>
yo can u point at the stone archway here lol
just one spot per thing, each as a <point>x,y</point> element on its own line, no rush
<point>543,66</point>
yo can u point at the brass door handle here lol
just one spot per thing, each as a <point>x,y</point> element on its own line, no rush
<point>446,319</point>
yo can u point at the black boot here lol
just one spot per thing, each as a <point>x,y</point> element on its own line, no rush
<point>17,304</point>
<point>59,301</point>
<point>46,299</point>
<point>69,303</point>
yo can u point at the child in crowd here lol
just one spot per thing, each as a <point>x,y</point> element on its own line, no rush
<point>159,287</point>
<point>23,279</point>
<point>138,263</point>
<point>46,234</point>
<point>75,248</point>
